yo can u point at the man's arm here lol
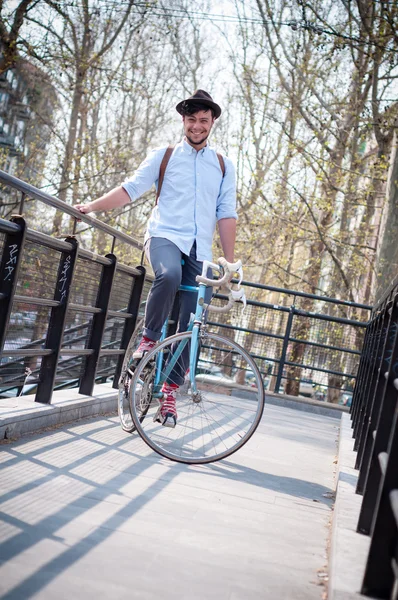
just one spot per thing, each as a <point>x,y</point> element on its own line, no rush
<point>113,199</point>
<point>226,211</point>
<point>143,179</point>
<point>227,230</point>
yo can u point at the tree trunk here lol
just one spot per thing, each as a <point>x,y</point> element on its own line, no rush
<point>387,267</point>
<point>69,150</point>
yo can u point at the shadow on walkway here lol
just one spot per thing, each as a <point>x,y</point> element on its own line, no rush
<point>50,480</point>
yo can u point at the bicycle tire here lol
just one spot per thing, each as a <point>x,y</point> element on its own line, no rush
<point>234,410</point>
<point>126,375</point>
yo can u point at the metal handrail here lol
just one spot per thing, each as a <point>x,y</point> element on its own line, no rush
<point>62,245</point>
<point>272,288</point>
<point>375,431</point>
<point>38,194</point>
<point>8,226</point>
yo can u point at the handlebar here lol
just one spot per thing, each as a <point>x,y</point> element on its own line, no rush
<point>227,271</point>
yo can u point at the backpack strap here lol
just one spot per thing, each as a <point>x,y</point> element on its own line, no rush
<point>222,163</point>
<point>162,170</point>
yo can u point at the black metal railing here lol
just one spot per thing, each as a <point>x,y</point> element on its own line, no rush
<point>375,426</point>
<point>317,350</point>
<point>66,316</point>
<point>52,314</point>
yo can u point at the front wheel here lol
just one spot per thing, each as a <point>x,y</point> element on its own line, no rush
<point>219,406</point>
<point>126,375</point>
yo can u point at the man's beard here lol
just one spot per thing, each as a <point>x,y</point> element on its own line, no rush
<point>197,143</point>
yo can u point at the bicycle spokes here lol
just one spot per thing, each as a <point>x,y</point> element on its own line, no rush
<point>219,400</point>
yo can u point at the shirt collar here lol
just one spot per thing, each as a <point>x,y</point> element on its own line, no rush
<point>188,148</point>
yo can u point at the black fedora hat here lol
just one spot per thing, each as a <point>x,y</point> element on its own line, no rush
<point>202,97</point>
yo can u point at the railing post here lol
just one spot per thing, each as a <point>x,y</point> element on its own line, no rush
<point>379,577</point>
<point>382,432</point>
<point>22,203</point>
<point>361,368</point>
<point>373,413</point>
<point>373,375</point>
<point>9,268</point>
<point>56,325</point>
<point>362,378</point>
<point>133,308</point>
<point>284,348</point>
<point>94,341</point>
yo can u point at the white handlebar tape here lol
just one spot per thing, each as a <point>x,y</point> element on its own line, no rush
<point>229,270</point>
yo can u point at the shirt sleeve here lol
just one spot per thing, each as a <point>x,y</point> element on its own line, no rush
<point>226,201</point>
<point>146,175</point>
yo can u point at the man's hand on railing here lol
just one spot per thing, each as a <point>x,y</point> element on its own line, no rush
<point>84,208</point>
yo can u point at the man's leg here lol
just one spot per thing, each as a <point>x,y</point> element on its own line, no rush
<point>191,268</point>
<point>165,259</point>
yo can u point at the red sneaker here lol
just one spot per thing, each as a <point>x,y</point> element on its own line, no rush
<point>167,411</point>
<point>145,346</point>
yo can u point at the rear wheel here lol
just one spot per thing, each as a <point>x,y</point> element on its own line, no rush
<point>216,418</point>
<point>123,405</point>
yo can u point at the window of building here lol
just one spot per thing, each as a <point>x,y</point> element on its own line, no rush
<point>19,140</point>
<point>3,100</point>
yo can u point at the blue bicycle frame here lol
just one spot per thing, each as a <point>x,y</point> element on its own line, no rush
<point>194,326</point>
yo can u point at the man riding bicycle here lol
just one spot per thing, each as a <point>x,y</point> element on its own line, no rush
<point>197,189</point>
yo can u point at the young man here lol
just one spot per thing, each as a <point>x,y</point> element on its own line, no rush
<point>195,194</point>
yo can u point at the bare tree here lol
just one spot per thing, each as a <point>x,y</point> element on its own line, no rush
<point>11,21</point>
<point>313,53</point>
<point>78,39</point>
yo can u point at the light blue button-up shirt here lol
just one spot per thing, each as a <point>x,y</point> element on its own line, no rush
<point>194,196</point>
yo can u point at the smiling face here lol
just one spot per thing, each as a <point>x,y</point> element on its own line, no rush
<point>197,128</point>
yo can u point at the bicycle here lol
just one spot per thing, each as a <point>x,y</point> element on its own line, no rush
<point>221,399</point>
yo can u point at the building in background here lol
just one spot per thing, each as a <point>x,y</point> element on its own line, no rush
<point>27,104</point>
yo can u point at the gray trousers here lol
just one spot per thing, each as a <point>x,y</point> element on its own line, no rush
<point>171,268</point>
<point>166,260</point>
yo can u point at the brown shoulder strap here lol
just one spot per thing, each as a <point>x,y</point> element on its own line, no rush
<point>162,170</point>
<point>222,164</point>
